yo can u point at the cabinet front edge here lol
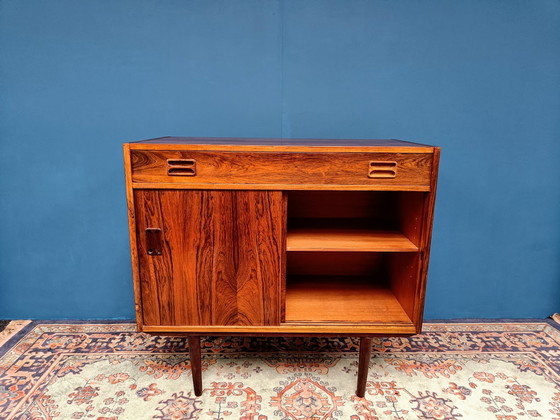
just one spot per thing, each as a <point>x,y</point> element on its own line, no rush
<point>275,187</point>
<point>350,330</point>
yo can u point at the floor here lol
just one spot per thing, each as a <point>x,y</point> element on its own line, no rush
<point>454,370</point>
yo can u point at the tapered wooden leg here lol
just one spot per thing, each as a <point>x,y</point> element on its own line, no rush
<point>363,366</point>
<point>196,364</point>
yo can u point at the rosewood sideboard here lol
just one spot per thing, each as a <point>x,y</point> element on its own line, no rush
<point>285,237</point>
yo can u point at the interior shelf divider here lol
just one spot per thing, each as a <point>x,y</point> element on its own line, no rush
<point>343,239</point>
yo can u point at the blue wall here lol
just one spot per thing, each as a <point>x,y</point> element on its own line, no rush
<point>479,78</point>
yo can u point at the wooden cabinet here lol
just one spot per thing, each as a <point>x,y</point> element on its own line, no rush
<point>280,237</point>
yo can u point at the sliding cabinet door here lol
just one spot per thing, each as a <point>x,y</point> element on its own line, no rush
<point>209,257</point>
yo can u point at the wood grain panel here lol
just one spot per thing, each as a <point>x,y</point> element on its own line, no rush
<point>199,252</point>
<point>223,281</point>
<point>221,257</point>
<point>281,168</point>
<point>260,218</point>
<point>149,214</point>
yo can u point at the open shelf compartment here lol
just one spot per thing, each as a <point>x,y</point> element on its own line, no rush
<point>345,235</point>
<point>353,257</point>
<point>341,300</point>
<point>347,288</point>
<point>354,221</point>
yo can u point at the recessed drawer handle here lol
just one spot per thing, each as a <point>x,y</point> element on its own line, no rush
<point>181,172</point>
<point>378,169</point>
<point>181,167</point>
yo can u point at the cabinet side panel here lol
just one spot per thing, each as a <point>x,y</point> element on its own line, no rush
<point>411,207</point>
<point>427,237</point>
<point>132,233</point>
<point>404,271</point>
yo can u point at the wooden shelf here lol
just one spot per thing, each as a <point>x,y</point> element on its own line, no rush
<point>347,239</point>
<point>318,299</point>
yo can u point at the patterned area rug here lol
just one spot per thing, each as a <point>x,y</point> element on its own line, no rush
<point>501,371</point>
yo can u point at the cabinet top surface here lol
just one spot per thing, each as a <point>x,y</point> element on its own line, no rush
<point>280,144</point>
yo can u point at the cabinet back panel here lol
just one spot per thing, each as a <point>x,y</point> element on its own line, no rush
<point>333,263</point>
<point>342,204</point>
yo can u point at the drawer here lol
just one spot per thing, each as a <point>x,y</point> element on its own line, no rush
<point>288,169</point>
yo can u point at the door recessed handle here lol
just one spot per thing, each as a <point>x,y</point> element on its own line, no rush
<point>153,241</point>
